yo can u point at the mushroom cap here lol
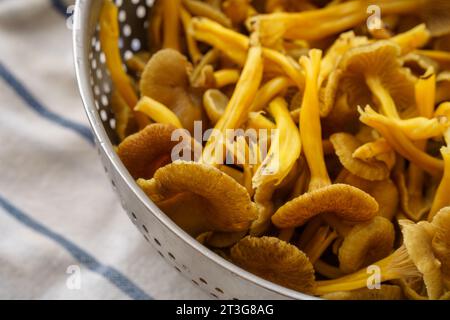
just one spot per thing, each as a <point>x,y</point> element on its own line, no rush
<point>380,59</point>
<point>276,261</point>
<point>385,193</point>
<point>227,203</point>
<point>386,292</point>
<point>345,145</point>
<point>417,240</point>
<point>419,64</point>
<point>223,240</point>
<point>141,150</point>
<point>441,240</point>
<point>366,243</point>
<point>215,103</point>
<point>166,80</point>
<point>346,202</point>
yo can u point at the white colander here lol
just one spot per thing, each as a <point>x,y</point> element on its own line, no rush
<point>215,275</point>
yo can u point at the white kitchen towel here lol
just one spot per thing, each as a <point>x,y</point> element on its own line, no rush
<point>63,234</point>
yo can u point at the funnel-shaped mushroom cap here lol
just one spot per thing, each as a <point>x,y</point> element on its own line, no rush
<point>366,243</point>
<point>276,261</point>
<point>380,61</point>
<point>441,241</point>
<point>417,240</point>
<point>165,79</point>
<point>385,193</point>
<point>141,151</point>
<point>345,145</point>
<point>228,204</point>
<point>386,292</point>
<point>346,202</point>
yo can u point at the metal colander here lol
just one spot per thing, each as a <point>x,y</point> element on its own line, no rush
<point>215,275</point>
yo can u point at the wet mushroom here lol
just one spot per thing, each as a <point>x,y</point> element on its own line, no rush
<point>276,261</point>
<point>144,152</point>
<point>345,145</point>
<point>165,79</point>
<point>228,207</point>
<point>347,202</point>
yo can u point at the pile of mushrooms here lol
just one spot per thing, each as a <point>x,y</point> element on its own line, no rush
<point>352,198</point>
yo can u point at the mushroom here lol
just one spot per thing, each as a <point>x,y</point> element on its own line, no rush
<point>165,79</point>
<point>228,207</point>
<point>238,10</point>
<point>385,192</point>
<point>276,261</point>
<point>376,69</point>
<point>144,152</point>
<point>239,105</point>
<point>345,145</point>
<point>417,239</point>
<point>157,112</point>
<point>192,45</point>
<point>221,240</point>
<point>109,39</point>
<point>171,24</point>
<point>441,57</point>
<point>125,122</point>
<point>321,23</point>
<point>347,202</point>
<point>441,242</point>
<point>280,160</point>
<point>215,103</point>
<point>376,150</point>
<point>399,141</point>
<point>413,39</point>
<point>385,292</point>
<point>418,64</point>
<point>199,8</point>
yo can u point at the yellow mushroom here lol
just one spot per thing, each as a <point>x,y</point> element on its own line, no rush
<point>157,112</point>
<point>144,152</point>
<point>124,115</point>
<point>202,9</point>
<point>345,145</point>
<point>171,24</point>
<point>441,242</point>
<point>192,46</point>
<point>276,261</point>
<point>345,201</point>
<point>228,207</point>
<point>215,103</point>
<point>165,79</point>
<point>443,87</point>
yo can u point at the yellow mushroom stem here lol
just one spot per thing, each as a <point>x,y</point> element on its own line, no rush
<point>375,150</point>
<point>442,196</point>
<point>286,234</point>
<point>257,121</point>
<point>319,24</point>
<point>171,24</point>
<point>157,112</point>
<point>425,92</point>
<point>155,25</point>
<point>240,103</point>
<point>215,103</point>
<point>109,40</point>
<point>443,57</point>
<point>235,46</point>
<point>242,154</point>
<point>387,102</point>
<point>269,91</point>
<point>310,127</point>
<point>202,9</point>
<point>400,142</point>
<point>326,270</point>
<point>284,150</point>
<point>413,39</point>
<point>226,77</point>
<point>194,51</point>
<point>443,110</point>
<point>396,266</point>
<point>321,240</point>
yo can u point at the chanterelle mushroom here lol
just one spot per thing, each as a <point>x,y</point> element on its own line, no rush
<point>347,202</point>
<point>144,152</point>
<point>276,261</point>
<point>375,68</point>
<point>386,292</point>
<point>441,242</point>
<point>228,204</point>
<point>165,79</point>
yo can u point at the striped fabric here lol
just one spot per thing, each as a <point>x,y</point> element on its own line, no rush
<point>63,233</point>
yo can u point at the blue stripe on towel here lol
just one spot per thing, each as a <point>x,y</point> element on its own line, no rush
<point>110,273</point>
<point>23,92</point>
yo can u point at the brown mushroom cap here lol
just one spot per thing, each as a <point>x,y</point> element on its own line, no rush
<point>346,202</point>
<point>165,79</point>
<point>385,193</point>
<point>386,292</point>
<point>228,205</point>
<point>345,145</point>
<point>276,261</point>
<point>141,150</point>
<point>380,59</point>
<point>417,241</point>
<point>366,243</point>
